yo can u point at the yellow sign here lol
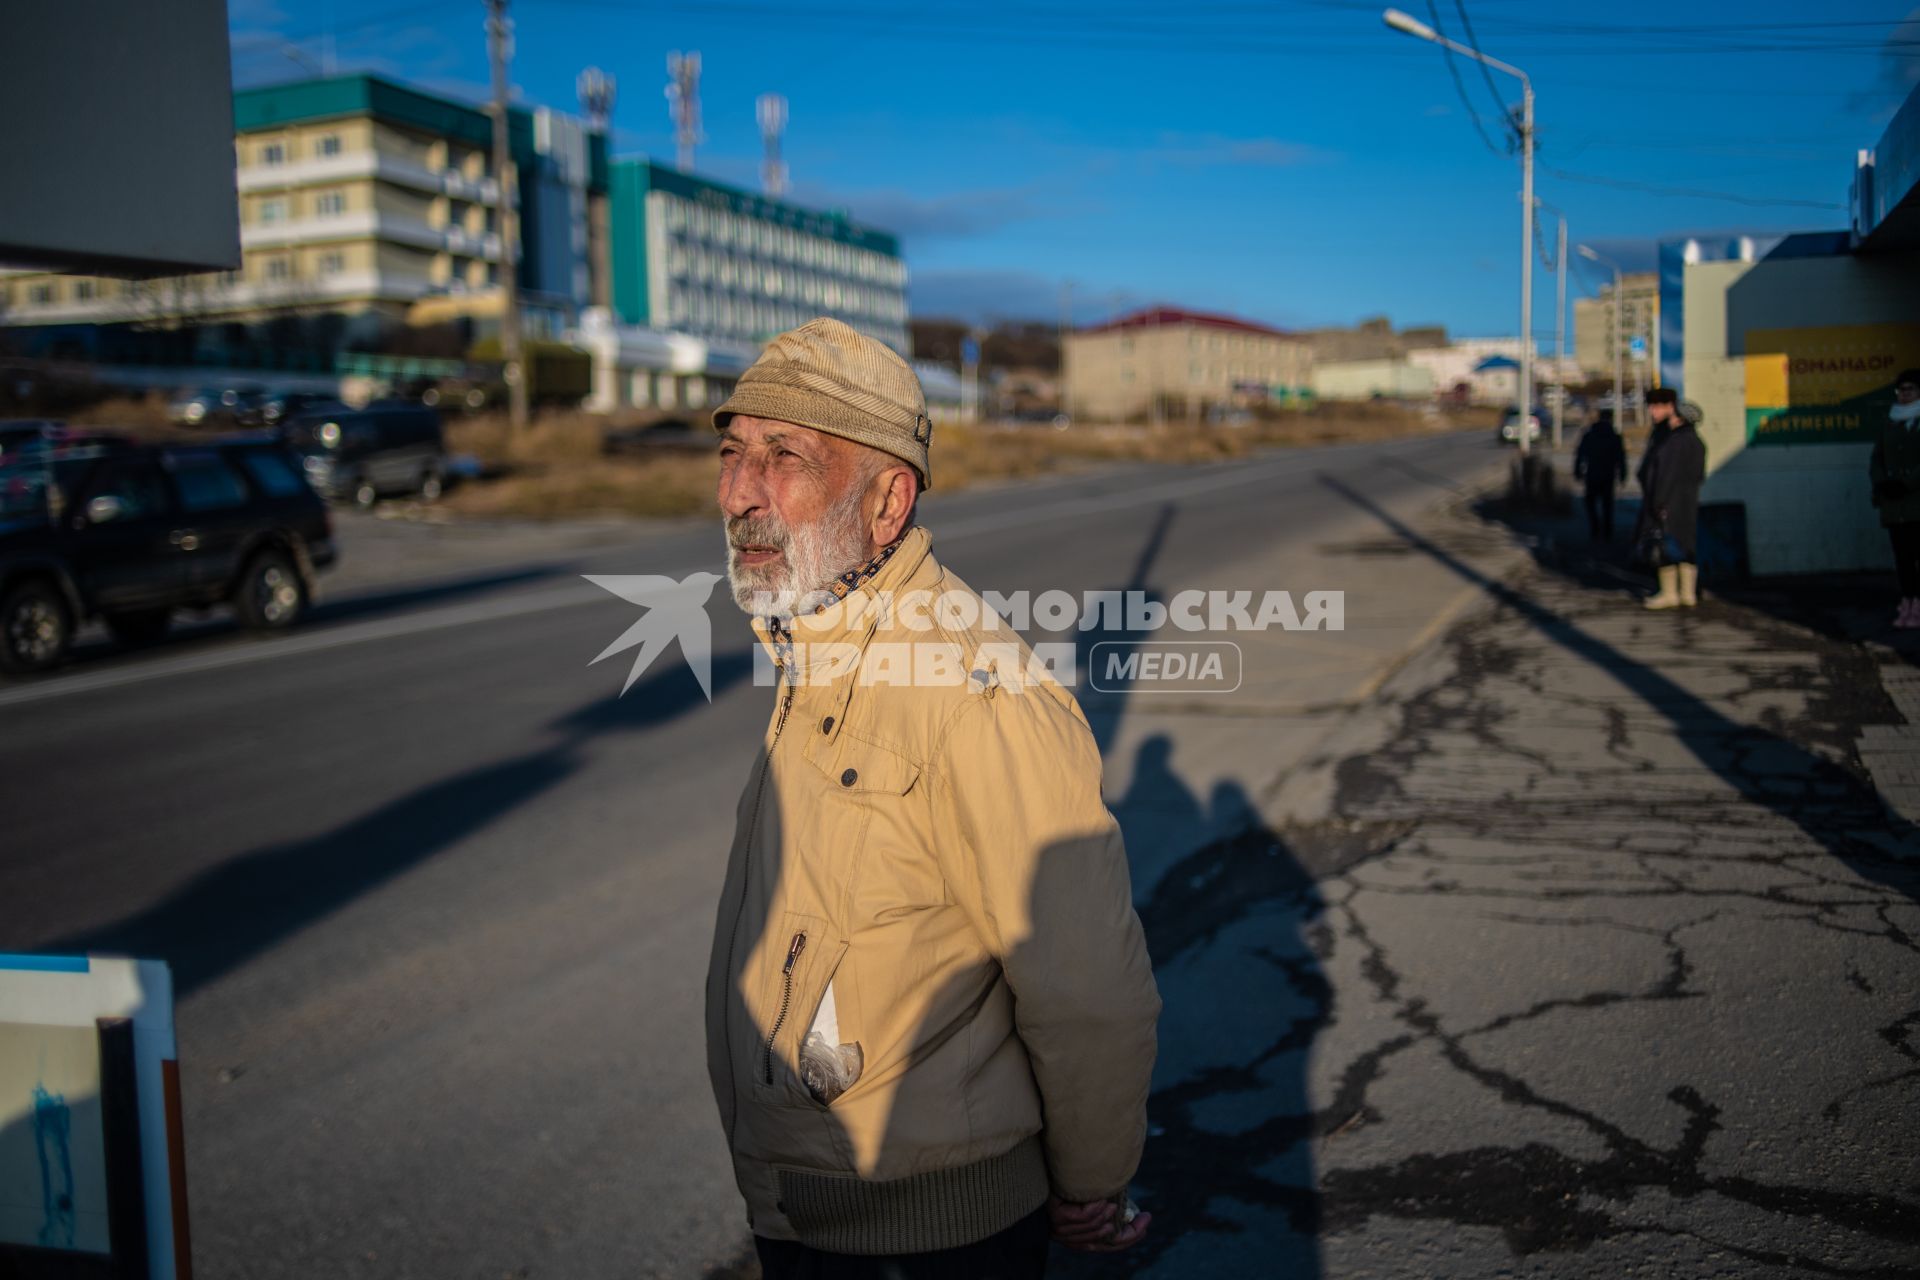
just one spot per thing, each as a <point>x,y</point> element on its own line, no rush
<point>1824,385</point>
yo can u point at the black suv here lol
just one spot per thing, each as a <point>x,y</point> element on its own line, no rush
<point>129,533</point>
<point>365,454</point>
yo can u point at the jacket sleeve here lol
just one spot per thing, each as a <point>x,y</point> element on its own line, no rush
<point>1583,454</point>
<point>1032,855</point>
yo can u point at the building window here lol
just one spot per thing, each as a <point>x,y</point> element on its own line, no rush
<point>330,204</point>
<point>40,294</point>
<point>332,264</point>
<point>329,144</point>
<point>273,210</point>
<point>273,153</point>
<point>82,290</point>
<point>279,269</point>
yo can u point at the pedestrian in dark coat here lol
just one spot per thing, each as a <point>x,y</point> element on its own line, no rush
<point>1601,461</point>
<point>1661,402</point>
<point>1895,471</point>
<point>1673,479</point>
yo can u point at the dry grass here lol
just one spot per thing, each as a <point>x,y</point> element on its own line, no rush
<point>555,469</point>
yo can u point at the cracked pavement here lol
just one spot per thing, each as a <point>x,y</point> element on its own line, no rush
<point>1588,948</point>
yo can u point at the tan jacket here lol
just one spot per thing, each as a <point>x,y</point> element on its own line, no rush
<point>942,856</point>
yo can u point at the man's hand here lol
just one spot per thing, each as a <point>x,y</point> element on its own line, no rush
<point>1096,1226</point>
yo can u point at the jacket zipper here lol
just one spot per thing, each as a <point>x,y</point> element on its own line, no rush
<point>794,949</point>
<point>746,879</point>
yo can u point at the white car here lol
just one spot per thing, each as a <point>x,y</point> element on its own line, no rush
<point>1510,427</point>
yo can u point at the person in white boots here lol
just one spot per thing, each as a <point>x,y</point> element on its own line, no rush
<point>1895,471</point>
<point>1674,475</point>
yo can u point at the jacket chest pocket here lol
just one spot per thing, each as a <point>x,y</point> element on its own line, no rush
<point>850,781</point>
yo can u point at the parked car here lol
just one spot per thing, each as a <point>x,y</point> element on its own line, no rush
<point>1510,426</point>
<point>365,454</point>
<point>216,406</point>
<point>277,407</point>
<point>129,534</point>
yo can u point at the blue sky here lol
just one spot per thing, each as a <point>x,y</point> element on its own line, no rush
<point>1296,163</point>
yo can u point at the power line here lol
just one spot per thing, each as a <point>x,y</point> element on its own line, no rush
<point>1149,36</point>
<point>1486,73</point>
<point>1459,86</point>
<point>1660,189</point>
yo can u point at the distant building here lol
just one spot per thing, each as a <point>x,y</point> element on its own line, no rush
<point>1372,379</point>
<point>367,200</point>
<point>1463,368</point>
<point>696,256</point>
<point>1171,363</point>
<point>1595,339</point>
<point>1371,339</point>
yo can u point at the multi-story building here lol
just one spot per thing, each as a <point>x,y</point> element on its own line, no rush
<point>1595,340</point>
<point>1171,363</point>
<point>695,256</point>
<point>367,200</point>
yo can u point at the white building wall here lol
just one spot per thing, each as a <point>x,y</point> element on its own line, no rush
<point>1809,506</point>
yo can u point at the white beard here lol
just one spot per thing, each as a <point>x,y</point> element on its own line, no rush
<point>811,557</point>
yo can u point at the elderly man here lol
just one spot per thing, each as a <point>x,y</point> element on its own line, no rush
<point>930,1011</point>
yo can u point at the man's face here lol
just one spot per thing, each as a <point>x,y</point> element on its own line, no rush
<point>793,503</point>
<point>1907,392</point>
<point>1661,413</point>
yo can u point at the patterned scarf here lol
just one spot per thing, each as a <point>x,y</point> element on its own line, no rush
<point>780,634</point>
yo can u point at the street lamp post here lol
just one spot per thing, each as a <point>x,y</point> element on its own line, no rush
<point>1588,252</point>
<point>1408,25</point>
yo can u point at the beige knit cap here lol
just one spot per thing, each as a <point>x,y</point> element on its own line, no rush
<point>826,376</point>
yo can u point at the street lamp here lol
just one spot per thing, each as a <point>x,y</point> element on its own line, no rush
<point>1409,25</point>
<point>1591,254</point>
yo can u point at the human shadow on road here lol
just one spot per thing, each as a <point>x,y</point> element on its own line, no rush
<point>1834,807</point>
<point>233,912</point>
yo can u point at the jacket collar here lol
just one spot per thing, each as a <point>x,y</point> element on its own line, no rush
<point>851,617</point>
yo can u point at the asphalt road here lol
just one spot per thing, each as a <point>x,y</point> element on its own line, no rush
<point>438,902</point>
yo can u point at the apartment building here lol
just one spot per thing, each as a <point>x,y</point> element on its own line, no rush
<point>698,257</point>
<point>1174,363</point>
<point>371,200</point>
<point>1595,338</point>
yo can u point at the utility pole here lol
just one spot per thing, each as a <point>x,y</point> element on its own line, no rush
<point>1619,360</point>
<point>970,376</point>
<point>1526,262</point>
<point>1616,335</point>
<point>1560,340</point>
<point>1153,374</point>
<point>1066,327</point>
<point>499,41</point>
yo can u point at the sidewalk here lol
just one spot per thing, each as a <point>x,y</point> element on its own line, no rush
<point>1585,947</point>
